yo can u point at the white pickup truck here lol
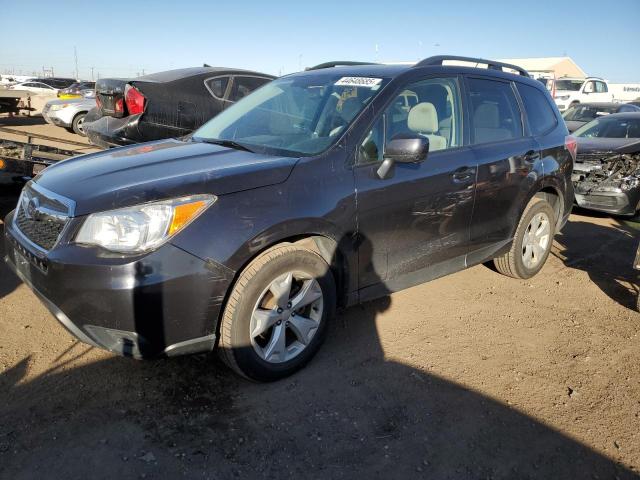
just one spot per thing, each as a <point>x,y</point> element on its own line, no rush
<point>569,91</point>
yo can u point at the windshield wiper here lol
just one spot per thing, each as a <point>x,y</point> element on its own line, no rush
<point>224,143</point>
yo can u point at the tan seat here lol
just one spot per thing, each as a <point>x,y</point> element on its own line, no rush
<point>423,120</point>
<point>486,123</point>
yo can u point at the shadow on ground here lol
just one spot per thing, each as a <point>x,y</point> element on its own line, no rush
<point>606,253</point>
<point>352,413</point>
<point>21,120</point>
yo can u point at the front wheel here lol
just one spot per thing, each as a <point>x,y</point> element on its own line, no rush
<point>78,124</point>
<point>277,313</point>
<point>531,243</point>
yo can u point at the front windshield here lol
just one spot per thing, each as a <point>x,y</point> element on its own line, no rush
<point>610,127</point>
<point>571,85</point>
<point>297,115</point>
<point>586,113</point>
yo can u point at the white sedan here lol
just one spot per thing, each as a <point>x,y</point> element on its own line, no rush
<point>35,87</point>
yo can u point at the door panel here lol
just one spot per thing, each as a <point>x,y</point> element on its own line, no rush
<point>507,161</point>
<point>506,172</point>
<point>418,216</point>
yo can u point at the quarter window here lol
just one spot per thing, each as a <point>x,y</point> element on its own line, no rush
<point>494,111</point>
<point>243,86</point>
<point>218,86</point>
<point>429,108</point>
<point>541,116</point>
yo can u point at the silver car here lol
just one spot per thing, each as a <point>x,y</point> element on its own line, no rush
<point>69,114</point>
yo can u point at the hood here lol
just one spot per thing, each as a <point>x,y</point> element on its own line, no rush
<point>126,176</point>
<point>563,93</point>
<point>81,101</point>
<point>596,145</point>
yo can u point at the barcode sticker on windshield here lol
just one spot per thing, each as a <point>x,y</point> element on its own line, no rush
<point>359,82</point>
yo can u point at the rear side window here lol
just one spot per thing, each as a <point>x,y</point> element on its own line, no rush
<point>541,116</point>
<point>494,111</point>
<point>217,86</point>
<point>243,86</point>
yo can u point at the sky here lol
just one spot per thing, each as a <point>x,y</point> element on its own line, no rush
<point>127,38</point>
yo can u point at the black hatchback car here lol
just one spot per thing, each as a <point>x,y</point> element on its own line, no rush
<point>164,104</point>
<point>321,189</point>
<point>582,113</point>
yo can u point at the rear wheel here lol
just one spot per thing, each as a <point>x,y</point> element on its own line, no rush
<point>532,241</point>
<point>78,124</point>
<point>276,316</point>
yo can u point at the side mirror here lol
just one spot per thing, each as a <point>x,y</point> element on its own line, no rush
<point>403,150</point>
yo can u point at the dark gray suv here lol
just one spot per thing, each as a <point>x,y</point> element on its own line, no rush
<point>321,189</point>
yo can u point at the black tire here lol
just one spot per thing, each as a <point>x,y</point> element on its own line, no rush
<point>234,346</point>
<point>512,263</point>
<point>76,126</point>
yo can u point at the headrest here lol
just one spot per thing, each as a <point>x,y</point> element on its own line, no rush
<point>486,116</point>
<point>423,118</point>
<point>350,108</point>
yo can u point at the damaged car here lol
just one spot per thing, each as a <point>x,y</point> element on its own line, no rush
<point>165,104</point>
<point>606,173</point>
<point>580,114</point>
<point>324,188</point>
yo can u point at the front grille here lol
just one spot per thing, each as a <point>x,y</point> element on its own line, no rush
<point>44,232</point>
<point>41,216</point>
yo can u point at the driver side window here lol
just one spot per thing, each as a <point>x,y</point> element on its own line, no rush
<point>428,108</point>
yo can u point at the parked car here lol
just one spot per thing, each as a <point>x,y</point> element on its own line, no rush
<point>57,82</point>
<point>571,91</point>
<point>582,113</point>
<point>70,113</point>
<point>319,189</point>
<point>607,169</point>
<point>37,88</point>
<point>76,90</point>
<point>166,104</point>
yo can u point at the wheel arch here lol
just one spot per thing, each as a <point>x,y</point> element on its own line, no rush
<point>554,197</point>
<point>334,249</point>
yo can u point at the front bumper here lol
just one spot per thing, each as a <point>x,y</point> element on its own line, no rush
<point>616,203</point>
<point>60,118</point>
<point>164,303</point>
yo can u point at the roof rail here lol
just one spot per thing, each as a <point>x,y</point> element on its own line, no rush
<point>338,64</point>
<point>491,64</point>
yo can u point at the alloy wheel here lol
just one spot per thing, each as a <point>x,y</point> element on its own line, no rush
<point>286,317</point>
<point>536,240</point>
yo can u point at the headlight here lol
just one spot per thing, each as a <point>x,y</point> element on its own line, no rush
<point>143,227</point>
<point>59,106</point>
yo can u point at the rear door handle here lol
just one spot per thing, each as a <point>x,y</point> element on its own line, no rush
<point>464,174</point>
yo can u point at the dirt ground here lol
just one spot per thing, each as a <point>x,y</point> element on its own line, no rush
<point>474,375</point>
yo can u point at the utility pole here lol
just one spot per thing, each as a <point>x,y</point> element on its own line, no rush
<point>92,74</point>
<point>75,54</point>
<point>143,72</point>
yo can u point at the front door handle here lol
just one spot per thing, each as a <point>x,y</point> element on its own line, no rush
<point>464,175</point>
